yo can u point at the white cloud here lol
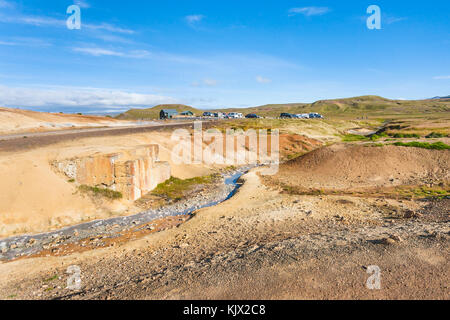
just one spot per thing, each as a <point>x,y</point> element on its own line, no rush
<point>141,54</point>
<point>77,97</point>
<point>391,19</point>
<point>32,20</point>
<point>8,43</point>
<point>42,21</point>
<point>6,4</point>
<point>441,77</point>
<point>25,41</point>
<point>82,4</point>
<point>263,80</point>
<point>193,19</point>
<point>98,52</point>
<point>205,82</point>
<point>210,82</point>
<point>309,11</point>
<point>107,27</point>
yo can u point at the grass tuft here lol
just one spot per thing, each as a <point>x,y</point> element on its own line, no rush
<point>107,193</point>
<point>355,137</point>
<point>424,145</point>
<point>175,188</point>
<point>434,135</point>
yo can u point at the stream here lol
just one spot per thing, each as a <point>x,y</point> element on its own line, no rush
<point>27,245</point>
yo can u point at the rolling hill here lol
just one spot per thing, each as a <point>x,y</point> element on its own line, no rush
<point>153,113</point>
<point>373,106</point>
<point>359,106</point>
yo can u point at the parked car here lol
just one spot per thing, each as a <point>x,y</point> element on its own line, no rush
<point>302,116</point>
<point>315,115</point>
<point>235,115</point>
<point>219,115</point>
<point>208,114</point>
<point>252,116</point>
<point>286,116</point>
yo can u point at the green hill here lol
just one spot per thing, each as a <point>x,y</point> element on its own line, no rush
<point>371,106</point>
<point>374,105</point>
<point>153,113</point>
<point>360,106</point>
<point>272,110</point>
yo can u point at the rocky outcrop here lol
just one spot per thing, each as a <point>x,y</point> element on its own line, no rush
<point>132,172</point>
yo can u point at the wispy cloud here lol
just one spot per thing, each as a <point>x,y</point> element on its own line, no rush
<point>6,4</point>
<point>194,19</point>
<point>387,19</point>
<point>441,77</point>
<point>32,20</point>
<point>205,82</point>
<point>43,21</point>
<point>108,27</point>
<point>25,41</point>
<point>210,82</point>
<point>77,97</point>
<point>263,80</point>
<point>98,52</point>
<point>83,4</point>
<point>309,11</point>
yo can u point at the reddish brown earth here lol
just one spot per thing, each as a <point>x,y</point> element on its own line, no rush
<point>355,167</point>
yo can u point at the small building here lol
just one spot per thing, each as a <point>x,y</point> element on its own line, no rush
<point>167,114</point>
<point>187,113</point>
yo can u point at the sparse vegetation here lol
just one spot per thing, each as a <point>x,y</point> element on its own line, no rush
<point>425,192</point>
<point>405,135</point>
<point>425,145</point>
<point>435,135</point>
<point>175,189</point>
<point>55,277</point>
<point>103,192</point>
<point>355,137</point>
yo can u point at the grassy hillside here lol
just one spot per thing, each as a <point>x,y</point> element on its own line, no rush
<point>271,110</point>
<point>378,106</point>
<point>370,106</point>
<point>153,113</point>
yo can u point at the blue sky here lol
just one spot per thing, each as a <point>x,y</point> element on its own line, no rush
<point>218,53</point>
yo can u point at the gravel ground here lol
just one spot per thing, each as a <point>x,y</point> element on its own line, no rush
<point>262,245</point>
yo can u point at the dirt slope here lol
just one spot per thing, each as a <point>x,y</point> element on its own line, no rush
<point>17,121</point>
<point>342,167</point>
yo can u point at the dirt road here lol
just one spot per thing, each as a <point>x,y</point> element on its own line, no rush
<point>26,141</point>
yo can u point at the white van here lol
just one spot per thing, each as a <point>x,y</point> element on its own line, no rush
<point>235,115</point>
